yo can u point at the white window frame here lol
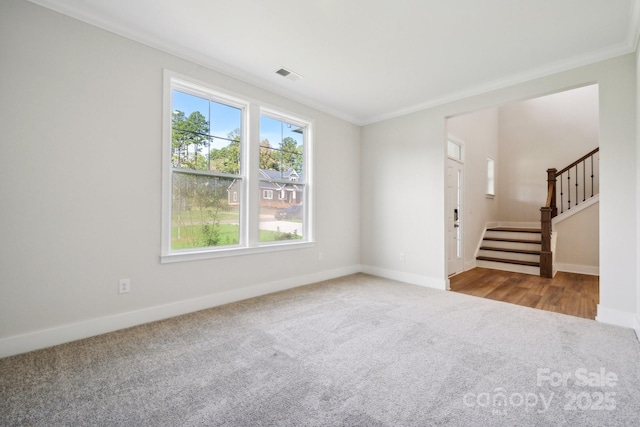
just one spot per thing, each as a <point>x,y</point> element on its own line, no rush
<point>491,177</point>
<point>267,194</point>
<point>249,201</point>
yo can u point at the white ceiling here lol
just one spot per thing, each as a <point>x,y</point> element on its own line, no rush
<point>367,60</point>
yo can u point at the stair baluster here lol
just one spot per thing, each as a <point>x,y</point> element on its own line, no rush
<point>584,180</point>
<point>591,176</point>
<point>568,189</point>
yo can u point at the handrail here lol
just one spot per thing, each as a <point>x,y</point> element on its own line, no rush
<point>581,159</point>
<point>550,210</point>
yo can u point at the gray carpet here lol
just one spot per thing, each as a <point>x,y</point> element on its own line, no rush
<point>356,351</point>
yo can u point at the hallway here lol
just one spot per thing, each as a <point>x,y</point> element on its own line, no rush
<point>567,293</point>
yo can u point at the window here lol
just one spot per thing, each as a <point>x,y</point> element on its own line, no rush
<point>282,166</point>
<point>454,150</point>
<point>491,177</point>
<point>214,202</point>
<point>206,165</point>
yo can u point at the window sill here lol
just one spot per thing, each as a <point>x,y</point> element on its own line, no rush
<point>196,255</point>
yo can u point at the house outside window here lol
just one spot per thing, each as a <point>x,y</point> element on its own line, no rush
<point>208,181</point>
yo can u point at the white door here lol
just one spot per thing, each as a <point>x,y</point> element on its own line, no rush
<point>455,262</point>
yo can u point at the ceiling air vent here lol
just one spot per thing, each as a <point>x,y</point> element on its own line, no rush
<point>289,74</point>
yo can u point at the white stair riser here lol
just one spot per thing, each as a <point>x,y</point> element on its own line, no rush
<point>513,235</point>
<point>512,245</point>
<point>525,269</point>
<point>509,255</point>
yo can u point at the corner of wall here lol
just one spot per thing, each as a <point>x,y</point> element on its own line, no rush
<point>413,279</point>
<point>617,317</point>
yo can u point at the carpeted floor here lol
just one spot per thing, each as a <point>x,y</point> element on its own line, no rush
<point>355,351</point>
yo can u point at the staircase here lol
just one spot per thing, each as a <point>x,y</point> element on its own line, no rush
<point>530,250</point>
<point>511,249</point>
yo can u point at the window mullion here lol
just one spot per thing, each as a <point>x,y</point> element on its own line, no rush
<point>252,196</point>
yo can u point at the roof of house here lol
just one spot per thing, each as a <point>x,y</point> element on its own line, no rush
<point>288,175</point>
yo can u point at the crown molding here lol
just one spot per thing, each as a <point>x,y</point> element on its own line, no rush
<point>628,46</point>
<point>190,55</point>
<point>558,67</point>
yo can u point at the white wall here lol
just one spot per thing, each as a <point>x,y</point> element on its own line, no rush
<point>618,227</point>
<point>479,132</point>
<point>403,183</point>
<point>637,317</point>
<point>80,187</point>
<point>541,133</point>
<point>578,238</point>
<point>403,199</point>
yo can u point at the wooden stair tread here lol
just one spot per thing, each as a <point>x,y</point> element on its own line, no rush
<point>518,251</point>
<point>515,230</point>
<point>508,261</point>
<point>500,239</point>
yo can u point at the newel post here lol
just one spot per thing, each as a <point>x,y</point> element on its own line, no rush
<point>546,257</point>
<point>551,180</point>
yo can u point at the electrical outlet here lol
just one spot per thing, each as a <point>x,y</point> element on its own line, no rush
<point>124,286</point>
<point>402,257</point>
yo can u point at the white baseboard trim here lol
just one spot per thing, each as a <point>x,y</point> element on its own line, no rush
<point>414,279</point>
<point>581,269</point>
<point>615,317</point>
<point>470,264</point>
<point>23,343</point>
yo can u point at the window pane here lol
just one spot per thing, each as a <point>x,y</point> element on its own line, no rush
<point>454,151</point>
<point>189,104</point>
<point>281,146</point>
<point>490,176</point>
<point>205,211</point>
<point>190,131</point>
<point>281,211</point>
<point>225,120</point>
<point>225,159</point>
<point>205,134</point>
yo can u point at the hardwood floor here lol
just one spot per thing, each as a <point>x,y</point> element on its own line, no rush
<point>567,293</point>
